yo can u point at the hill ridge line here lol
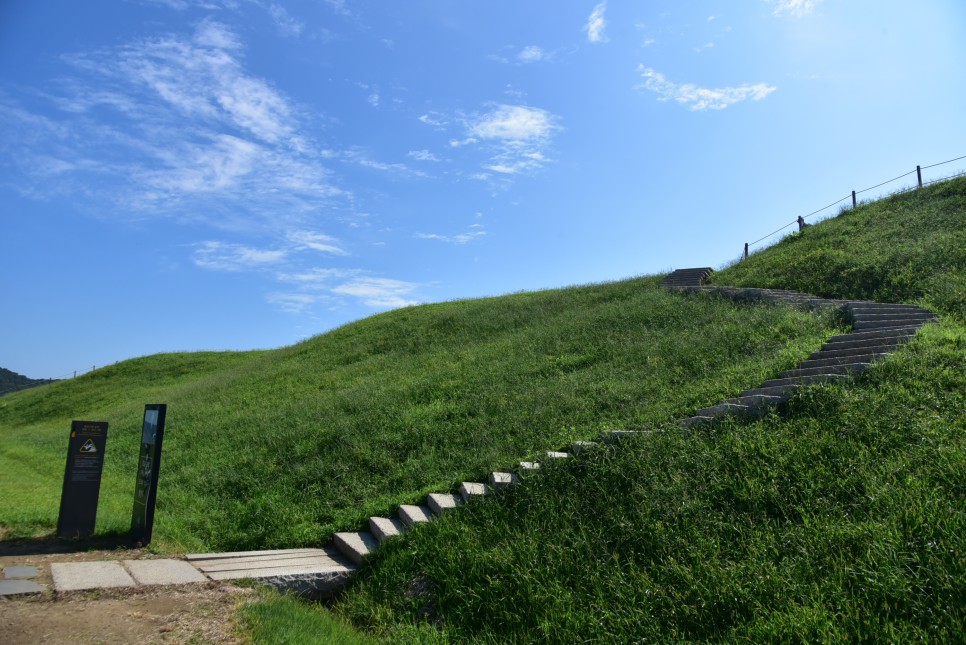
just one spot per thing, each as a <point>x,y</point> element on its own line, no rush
<point>878,329</point>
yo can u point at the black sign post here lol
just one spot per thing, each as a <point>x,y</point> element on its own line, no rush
<point>82,479</point>
<point>149,463</point>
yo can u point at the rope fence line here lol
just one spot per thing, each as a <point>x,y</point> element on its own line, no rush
<point>800,220</point>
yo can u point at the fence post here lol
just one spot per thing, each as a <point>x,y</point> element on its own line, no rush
<point>919,176</point>
<point>853,199</point>
<point>746,250</point>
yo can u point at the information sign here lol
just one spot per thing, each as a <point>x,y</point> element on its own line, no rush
<point>82,479</point>
<point>149,463</point>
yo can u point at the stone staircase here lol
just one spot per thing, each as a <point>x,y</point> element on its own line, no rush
<point>877,330</point>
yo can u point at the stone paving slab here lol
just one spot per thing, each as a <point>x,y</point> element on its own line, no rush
<point>20,572</point>
<point>77,576</point>
<point>163,572</point>
<point>10,588</point>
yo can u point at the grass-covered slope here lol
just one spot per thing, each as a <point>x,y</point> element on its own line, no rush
<point>910,247</point>
<point>282,448</point>
<point>844,521</point>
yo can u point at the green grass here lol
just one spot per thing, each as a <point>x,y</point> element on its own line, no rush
<point>910,247</point>
<point>283,448</point>
<point>847,521</point>
<point>275,619</point>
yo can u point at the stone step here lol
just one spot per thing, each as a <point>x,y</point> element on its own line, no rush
<point>875,307</point>
<point>871,344</point>
<point>303,571</point>
<point>557,455</point>
<point>908,330</point>
<point>848,368</point>
<point>724,409</point>
<point>355,546</point>
<point>529,466</point>
<point>499,480</point>
<point>384,528</point>
<point>806,380</point>
<point>879,314</point>
<point>757,400</point>
<point>696,421</point>
<point>469,490</point>
<point>780,391</point>
<point>862,325</point>
<point>614,436</point>
<point>411,515</point>
<point>878,352</point>
<point>584,446</point>
<point>440,502</point>
<point>838,360</point>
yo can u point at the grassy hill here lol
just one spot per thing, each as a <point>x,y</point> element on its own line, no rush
<point>845,520</point>
<point>283,448</point>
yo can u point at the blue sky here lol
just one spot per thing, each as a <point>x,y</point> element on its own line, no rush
<point>236,174</point>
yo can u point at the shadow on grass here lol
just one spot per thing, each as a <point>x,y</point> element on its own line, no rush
<point>46,544</point>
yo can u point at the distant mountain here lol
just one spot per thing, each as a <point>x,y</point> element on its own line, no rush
<point>11,381</point>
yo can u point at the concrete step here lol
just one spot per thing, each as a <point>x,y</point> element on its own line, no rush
<point>908,330</point>
<point>411,515</point>
<point>614,436</point>
<point>440,502</point>
<point>893,323</point>
<point>468,490</point>
<point>499,480</point>
<point>557,455</point>
<point>529,466</point>
<point>355,546</point>
<point>780,391</point>
<point>877,307</point>
<point>696,421</point>
<point>838,360</point>
<point>880,345</point>
<point>584,446</point>
<point>757,400</point>
<point>725,409</point>
<point>316,572</point>
<point>848,368</point>
<point>807,380</point>
<point>384,528</point>
<point>879,314</point>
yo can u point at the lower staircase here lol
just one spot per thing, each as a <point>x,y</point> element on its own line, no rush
<point>877,330</point>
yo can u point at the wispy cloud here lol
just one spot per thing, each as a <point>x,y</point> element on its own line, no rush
<point>596,24</point>
<point>700,98</point>
<point>380,293</point>
<point>532,54</point>
<point>475,232</point>
<point>222,256</point>
<point>794,8</point>
<point>422,155</point>
<point>175,125</point>
<point>284,22</point>
<point>517,135</point>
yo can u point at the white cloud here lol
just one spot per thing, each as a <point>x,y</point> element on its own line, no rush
<point>175,126</point>
<point>380,293</point>
<point>285,23</point>
<point>373,99</point>
<point>422,155</point>
<point>476,232</point>
<point>700,98</point>
<point>316,242</point>
<point>434,119</point>
<point>513,123</point>
<point>596,24</point>
<point>794,8</point>
<point>222,256</point>
<point>532,54</point>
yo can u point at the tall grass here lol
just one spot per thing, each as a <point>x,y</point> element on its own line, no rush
<point>846,521</point>
<point>282,448</point>
<point>910,247</point>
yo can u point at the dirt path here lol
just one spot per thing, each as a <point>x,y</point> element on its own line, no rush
<point>200,613</point>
